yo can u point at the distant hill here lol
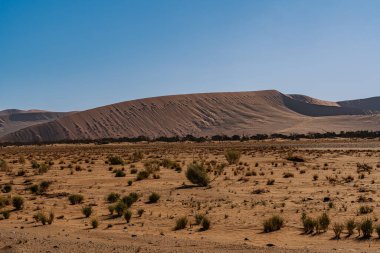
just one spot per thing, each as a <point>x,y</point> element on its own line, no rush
<point>12,120</point>
<point>207,114</point>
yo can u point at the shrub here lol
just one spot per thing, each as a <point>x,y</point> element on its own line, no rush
<point>308,223</point>
<point>270,182</point>
<point>323,222</point>
<point>18,202</point>
<point>181,223</point>
<point>337,228</point>
<point>7,188</point>
<point>40,217</point>
<point>120,173</point>
<point>94,223</point>
<point>288,174</point>
<point>128,201</point>
<point>87,211</point>
<point>140,212</point>
<point>377,229</point>
<point>76,199</point>
<point>366,227</point>
<point>43,187</point>
<point>113,197</point>
<point>205,224</point>
<point>232,156</point>
<point>197,175</point>
<point>137,156</point>
<point>115,160</point>
<point>120,208</point>
<point>141,175</point>
<point>130,182</point>
<point>198,218</point>
<point>350,226</point>
<point>273,224</point>
<point>6,214</point>
<point>128,216</point>
<point>154,197</point>
<point>295,159</point>
<point>111,209</point>
<point>365,209</point>
<point>51,218</point>
<point>4,202</point>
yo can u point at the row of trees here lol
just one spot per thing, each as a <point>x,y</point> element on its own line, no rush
<point>342,134</point>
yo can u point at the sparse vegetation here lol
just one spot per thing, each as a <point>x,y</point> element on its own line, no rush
<point>197,174</point>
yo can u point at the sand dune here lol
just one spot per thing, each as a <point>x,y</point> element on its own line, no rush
<point>243,113</point>
<point>13,120</point>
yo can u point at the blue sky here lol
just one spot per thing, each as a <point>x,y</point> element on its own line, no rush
<point>74,55</point>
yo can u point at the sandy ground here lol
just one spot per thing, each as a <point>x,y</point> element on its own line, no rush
<point>236,213</point>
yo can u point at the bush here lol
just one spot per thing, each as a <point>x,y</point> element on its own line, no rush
<point>128,216</point>
<point>232,156</point>
<point>40,217</point>
<point>18,202</point>
<point>366,227</point>
<point>288,174</point>
<point>120,208</point>
<point>43,187</point>
<point>4,202</point>
<point>6,214</point>
<point>94,223</point>
<point>87,211</point>
<point>140,212</point>
<point>181,223</point>
<point>197,175</point>
<point>141,175</point>
<point>295,159</point>
<point>338,228</point>
<point>198,218</point>
<point>323,222</point>
<point>76,199</point>
<point>130,182</point>
<point>273,224</point>
<point>350,226</point>
<point>120,173</point>
<point>7,188</point>
<point>113,197</point>
<point>137,156</point>
<point>115,160</point>
<point>154,197</point>
<point>365,209</point>
<point>377,229</point>
<point>205,224</point>
<point>3,165</point>
<point>51,218</point>
<point>308,223</point>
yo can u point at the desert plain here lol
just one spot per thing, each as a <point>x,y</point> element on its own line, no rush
<point>288,179</point>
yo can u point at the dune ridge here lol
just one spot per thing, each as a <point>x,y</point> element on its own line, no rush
<point>207,114</point>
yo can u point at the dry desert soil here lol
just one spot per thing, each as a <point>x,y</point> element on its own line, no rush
<point>336,177</point>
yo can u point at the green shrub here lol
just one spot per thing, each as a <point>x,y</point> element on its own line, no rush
<point>323,222</point>
<point>141,175</point>
<point>76,199</point>
<point>7,188</point>
<point>119,173</point>
<point>350,226</point>
<point>18,202</point>
<point>94,223</point>
<point>140,212</point>
<point>365,209</point>
<point>198,218</point>
<point>205,224</point>
<point>232,156</point>
<point>273,224</point>
<point>181,223</point>
<point>6,214</point>
<point>120,208</point>
<point>87,211</point>
<point>40,217</point>
<point>128,216</point>
<point>308,223</point>
<point>338,229</point>
<point>197,175</point>
<point>154,197</point>
<point>115,160</point>
<point>113,197</point>
<point>366,227</point>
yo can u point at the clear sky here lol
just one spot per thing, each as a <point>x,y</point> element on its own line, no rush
<point>72,55</point>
